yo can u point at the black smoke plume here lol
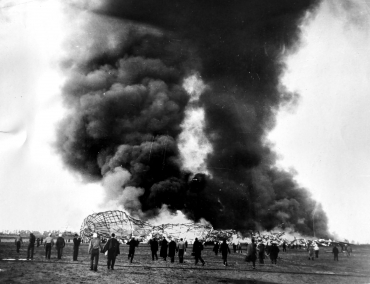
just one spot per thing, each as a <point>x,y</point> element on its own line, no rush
<point>127,103</point>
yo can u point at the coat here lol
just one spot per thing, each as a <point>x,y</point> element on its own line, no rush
<point>60,243</point>
<point>133,244</point>
<point>112,246</point>
<point>224,249</point>
<point>163,252</point>
<point>197,248</point>
<point>274,252</point>
<point>153,245</point>
<point>216,247</point>
<point>172,249</point>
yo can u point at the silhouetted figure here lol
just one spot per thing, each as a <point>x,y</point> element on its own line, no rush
<point>252,253</point>
<point>95,246</point>
<point>112,246</point>
<point>197,250</point>
<point>18,242</point>
<point>274,253</point>
<point>131,251</point>
<point>284,246</point>
<point>186,244</point>
<point>154,248</point>
<point>216,248</point>
<point>311,253</point>
<point>163,251</point>
<point>239,248</point>
<point>234,247</point>
<point>31,246</point>
<point>261,252</point>
<point>76,246</point>
<point>60,244</point>
<point>48,244</point>
<point>172,250</point>
<point>336,253</point>
<point>224,249</point>
<point>181,247</point>
<point>316,249</point>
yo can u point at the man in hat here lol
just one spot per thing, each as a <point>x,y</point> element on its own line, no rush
<point>112,246</point>
<point>76,246</point>
<point>18,242</point>
<point>181,247</point>
<point>251,253</point>
<point>60,244</point>
<point>31,246</point>
<point>48,245</point>
<point>131,252</point>
<point>335,252</point>
<point>95,247</point>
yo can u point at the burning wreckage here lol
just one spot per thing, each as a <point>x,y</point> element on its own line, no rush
<point>125,227</point>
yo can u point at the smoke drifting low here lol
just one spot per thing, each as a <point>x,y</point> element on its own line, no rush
<point>128,70</point>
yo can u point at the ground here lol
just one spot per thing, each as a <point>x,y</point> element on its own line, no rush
<point>292,267</point>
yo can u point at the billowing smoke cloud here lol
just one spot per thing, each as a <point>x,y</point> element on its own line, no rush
<point>128,98</point>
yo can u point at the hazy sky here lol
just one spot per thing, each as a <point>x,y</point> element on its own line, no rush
<point>324,137</point>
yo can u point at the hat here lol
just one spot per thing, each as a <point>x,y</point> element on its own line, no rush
<point>113,235</point>
<point>95,235</point>
<point>76,235</point>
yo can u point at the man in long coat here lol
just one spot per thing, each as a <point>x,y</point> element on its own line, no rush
<point>274,252</point>
<point>112,246</point>
<point>163,252</point>
<point>172,250</point>
<point>216,247</point>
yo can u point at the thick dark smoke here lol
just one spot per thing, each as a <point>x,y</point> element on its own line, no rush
<point>127,100</point>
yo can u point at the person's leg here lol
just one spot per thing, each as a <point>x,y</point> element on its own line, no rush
<point>32,250</point>
<point>28,251</point>
<point>113,261</point>
<point>254,264</point>
<point>201,259</point>
<point>132,256</point>
<point>92,261</point>
<point>18,246</point>
<point>196,259</point>
<point>49,251</point>
<point>96,260</point>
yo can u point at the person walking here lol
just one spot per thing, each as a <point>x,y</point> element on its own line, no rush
<point>261,252</point>
<point>76,246</point>
<point>60,244</point>
<point>252,253</point>
<point>172,250</point>
<point>336,253</point>
<point>197,251</point>
<point>112,246</point>
<point>31,246</point>
<point>18,242</point>
<point>95,246</point>
<point>224,249</point>
<point>48,244</point>
<point>38,242</point>
<point>216,248</point>
<point>311,253</point>
<point>131,251</point>
<point>181,247</point>
<point>154,247</point>
<point>163,251</point>
<point>234,247</point>
<point>349,250</point>
<point>240,248</point>
<point>274,252</point>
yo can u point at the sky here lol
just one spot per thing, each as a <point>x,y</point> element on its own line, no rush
<point>322,137</point>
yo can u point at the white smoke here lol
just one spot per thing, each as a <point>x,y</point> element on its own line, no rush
<point>193,143</point>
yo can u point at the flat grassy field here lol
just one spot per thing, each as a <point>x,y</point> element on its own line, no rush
<point>293,267</point>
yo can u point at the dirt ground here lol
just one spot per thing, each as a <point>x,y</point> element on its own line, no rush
<point>293,267</point>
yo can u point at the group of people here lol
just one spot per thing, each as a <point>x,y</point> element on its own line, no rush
<point>48,244</point>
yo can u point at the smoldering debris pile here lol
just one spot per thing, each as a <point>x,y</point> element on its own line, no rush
<point>128,69</point>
